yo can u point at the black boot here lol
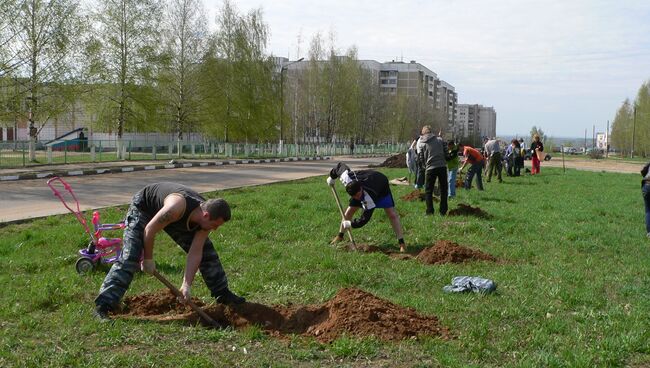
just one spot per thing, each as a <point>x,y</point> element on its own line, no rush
<point>101,314</point>
<point>228,297</point>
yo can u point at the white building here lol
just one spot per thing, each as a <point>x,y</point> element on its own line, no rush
<point>601,141</point>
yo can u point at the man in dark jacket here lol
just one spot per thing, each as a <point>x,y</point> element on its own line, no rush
<point>188,219</point>
<point>431,154</point>
<point>368,189</point>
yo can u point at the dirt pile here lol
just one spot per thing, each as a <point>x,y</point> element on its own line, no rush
<point>351,311</point>
<point>417,195</point>
<point>445,251</point>
<point>396,161</point>
<point>467,210</point>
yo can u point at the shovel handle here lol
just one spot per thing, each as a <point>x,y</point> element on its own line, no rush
<point>338,202</point>
<point>178,294</point>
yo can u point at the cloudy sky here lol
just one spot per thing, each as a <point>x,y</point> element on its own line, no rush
<point>563,65</point>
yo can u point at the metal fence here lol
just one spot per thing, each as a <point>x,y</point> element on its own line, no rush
<point>17,154</point>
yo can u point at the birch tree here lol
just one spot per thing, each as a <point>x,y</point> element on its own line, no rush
<point>8,9</point>
<point>185,40</point>
<point>44,47</point>
<point>240,77</point>
<point>622,127</point>
<point>642,131</point>
<point>125,60</point>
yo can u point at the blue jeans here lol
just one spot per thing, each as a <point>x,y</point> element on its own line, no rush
<point>475,169</point>
<point>451,180</point>
<point>646,198</point>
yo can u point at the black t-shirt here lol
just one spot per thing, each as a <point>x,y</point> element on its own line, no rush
<point>375,187</point>
<point>151,199</point>
<point>374,184</point>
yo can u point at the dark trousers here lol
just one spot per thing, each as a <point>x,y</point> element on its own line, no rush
<point>475,169</point>
<point>495,166</point>
<point>121,274</point>
<point>519,164</point>
<point>419,177</point>
<point>646,198</point>
<point>439,174</point>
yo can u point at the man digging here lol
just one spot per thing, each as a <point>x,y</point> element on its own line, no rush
<point>188,219</point>
<point>368,189</point>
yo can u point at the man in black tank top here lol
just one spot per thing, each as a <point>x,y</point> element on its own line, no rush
<point>188,219</point>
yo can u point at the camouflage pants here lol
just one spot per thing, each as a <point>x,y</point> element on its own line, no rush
<point>119,277</point>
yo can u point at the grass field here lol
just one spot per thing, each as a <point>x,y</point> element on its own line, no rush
<point>573,289</point>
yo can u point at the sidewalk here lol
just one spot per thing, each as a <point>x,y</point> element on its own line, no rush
<point>96,168</point>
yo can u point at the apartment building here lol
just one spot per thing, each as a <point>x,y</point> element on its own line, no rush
<point>488,121</point>
<point>476,121</point>
<point>446,101</point>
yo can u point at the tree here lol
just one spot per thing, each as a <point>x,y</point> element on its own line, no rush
<point>622,127</point>
<point>244,105</point>
<point>642,131</point>
<point>535,130</point>
<point>45,51</point>
<point>8,9</point>
<point>185,36</point>
<point>124,57</point>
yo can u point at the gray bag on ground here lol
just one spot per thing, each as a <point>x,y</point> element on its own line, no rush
<point>461,284</point>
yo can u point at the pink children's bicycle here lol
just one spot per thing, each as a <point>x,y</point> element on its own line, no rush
<point>99,249</point>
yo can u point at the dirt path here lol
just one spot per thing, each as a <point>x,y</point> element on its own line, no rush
<point>592,165</point>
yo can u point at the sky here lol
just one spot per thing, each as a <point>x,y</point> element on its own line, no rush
<point>562,65</point>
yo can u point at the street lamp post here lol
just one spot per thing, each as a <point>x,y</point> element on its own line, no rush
<point>284,67</point>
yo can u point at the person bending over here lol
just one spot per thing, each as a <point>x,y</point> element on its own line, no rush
<point>188,219</point>
<point>368,189</point>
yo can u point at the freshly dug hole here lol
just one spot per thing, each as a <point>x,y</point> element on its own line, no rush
<point>351,311</point>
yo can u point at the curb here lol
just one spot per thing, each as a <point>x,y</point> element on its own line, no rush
<point>113,170</point>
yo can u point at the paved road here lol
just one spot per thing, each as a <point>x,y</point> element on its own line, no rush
<point>26,199</point>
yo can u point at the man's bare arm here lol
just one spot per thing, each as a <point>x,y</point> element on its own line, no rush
<point>172,210</point>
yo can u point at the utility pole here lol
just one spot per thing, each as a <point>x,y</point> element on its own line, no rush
<point>607,141</point>
<point>585,140</point>
<point>593,137</point>
<point>282,69</point>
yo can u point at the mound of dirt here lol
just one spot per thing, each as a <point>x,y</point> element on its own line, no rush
<point>396,161</point>
<point>445,251</point>
<point>467,210</point>
<point>413,196</point>
<point>352,312</point>
<point>417,195</point>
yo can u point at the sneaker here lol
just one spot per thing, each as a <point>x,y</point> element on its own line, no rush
<point>227,297</point>
<point>648,235</point>
<point>101,314</point>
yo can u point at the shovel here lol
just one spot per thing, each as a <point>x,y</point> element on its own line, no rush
<point>178,294</point>
<point>338,202</point>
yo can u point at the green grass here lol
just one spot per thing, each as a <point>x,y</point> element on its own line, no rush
<point>573,290</point>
